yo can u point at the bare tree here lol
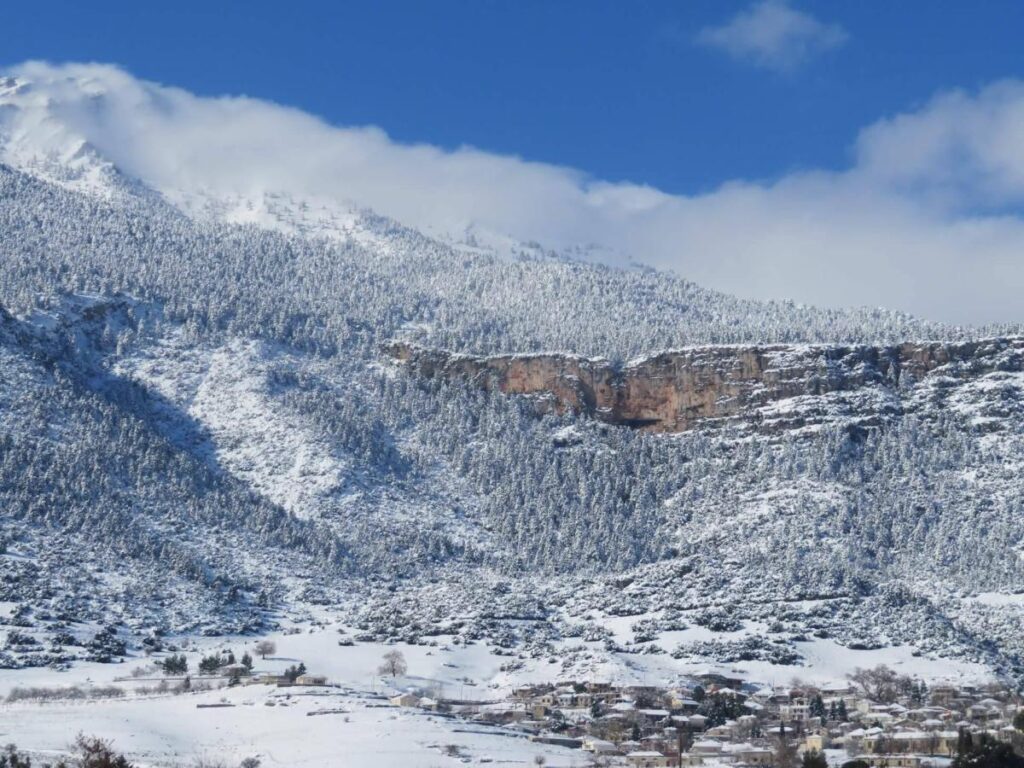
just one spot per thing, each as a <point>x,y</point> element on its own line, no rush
<point>394,664</point>
<point>880,684</point>
<point>265,648</point>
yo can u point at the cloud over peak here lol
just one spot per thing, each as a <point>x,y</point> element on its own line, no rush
<point>927,218</point>
<point>771,34</point>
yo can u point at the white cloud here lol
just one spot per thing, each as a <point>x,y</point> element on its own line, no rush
<point>773,35</point>
<point>967,149</point>
<point>927,218</point>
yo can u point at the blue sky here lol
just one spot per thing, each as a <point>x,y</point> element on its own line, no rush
<point>621,90</point>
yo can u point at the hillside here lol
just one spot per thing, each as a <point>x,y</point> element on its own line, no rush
<point>202,433</point>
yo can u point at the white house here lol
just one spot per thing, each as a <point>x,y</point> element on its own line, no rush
<point>647,759</point>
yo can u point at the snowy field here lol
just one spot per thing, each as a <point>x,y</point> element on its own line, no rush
<point>282,727</point>
<point>350,723</point>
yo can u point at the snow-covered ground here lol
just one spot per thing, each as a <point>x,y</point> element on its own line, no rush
<point>301,726</point>
<point>225,391</point>
<point>351,722</point>
<point>282,727</point>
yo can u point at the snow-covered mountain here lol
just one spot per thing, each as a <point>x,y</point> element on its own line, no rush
<point>201,428</point>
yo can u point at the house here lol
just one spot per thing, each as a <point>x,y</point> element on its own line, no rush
<point>985,711</point>
<point>891,761</point>
<point>947,742</point>
<point>796,709</point>
<point>819,741</point>
<point>599,746</point>
<point>753,706</point>
<point>697,722</point>
<point>652,715</point>
<point>311,680</point>
<point>746,723</point>
<point>549,699</point>
<point>723,731</point>
<point>651,692</point>
<point>714,680</point>
<point>404,700</point>
<point>574,700</point>
<point>279,680</point>
<point>942,694</point>
<point>659,744</point>
<point>679,700</point>
<point>707,747</point>
<point>647,759</point>
<point>528,692</point>
<point>906,742</point>
<point>604,697</point>
<point>747,754</point>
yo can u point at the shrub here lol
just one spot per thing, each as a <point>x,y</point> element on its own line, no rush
<point>71,693</point>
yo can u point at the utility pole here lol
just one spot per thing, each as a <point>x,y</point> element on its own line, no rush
<point>683,740</point>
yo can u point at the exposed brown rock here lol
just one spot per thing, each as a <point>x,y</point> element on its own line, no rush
<point>676,390</point>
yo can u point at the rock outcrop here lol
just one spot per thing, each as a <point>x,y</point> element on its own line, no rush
<point>673,391</point>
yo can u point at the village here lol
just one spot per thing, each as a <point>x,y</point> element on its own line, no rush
<point>427,706</point>
<point>878,720</point>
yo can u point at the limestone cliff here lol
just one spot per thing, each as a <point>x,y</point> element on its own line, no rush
<point>776,385</point>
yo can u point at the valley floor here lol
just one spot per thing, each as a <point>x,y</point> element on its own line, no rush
<point>351,722</point>
<point>297,728</point>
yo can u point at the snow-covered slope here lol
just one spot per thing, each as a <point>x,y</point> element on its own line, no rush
<point>201,433</point>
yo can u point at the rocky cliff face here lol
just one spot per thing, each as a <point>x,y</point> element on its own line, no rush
<point>778,386</point>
